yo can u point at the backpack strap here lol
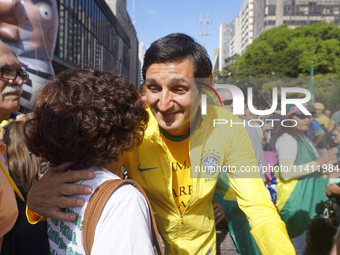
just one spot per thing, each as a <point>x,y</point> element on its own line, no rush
<point>95,207</point>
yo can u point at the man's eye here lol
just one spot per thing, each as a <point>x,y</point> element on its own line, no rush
<point>154,88</point>
<point>179,90</point>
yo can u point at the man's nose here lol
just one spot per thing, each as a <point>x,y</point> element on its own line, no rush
<point>16,81</point>
<point>165,102</point>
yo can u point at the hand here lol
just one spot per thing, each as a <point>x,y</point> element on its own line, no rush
<point>333,189</point>
<point>218,212</point>
<point>50,193</point>
<point>327,157</point>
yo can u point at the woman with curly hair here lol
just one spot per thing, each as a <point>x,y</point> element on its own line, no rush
<point>301,186</point>
<point>90,117</point>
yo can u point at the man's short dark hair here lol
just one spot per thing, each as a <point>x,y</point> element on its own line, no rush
<point>176,47</point>
<point>85,116</point>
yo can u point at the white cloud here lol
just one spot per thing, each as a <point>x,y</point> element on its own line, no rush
<point>152,11</point>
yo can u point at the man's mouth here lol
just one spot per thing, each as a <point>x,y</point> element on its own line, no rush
<point>169,115</point>
<point>12,90</point>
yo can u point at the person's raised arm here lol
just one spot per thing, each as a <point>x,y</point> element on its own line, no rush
<point>51,193</point>
<point>322,163</point>
<point>286,148</point>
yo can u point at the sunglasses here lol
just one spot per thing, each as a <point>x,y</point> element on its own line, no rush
<point>11,73</point>
<point>227,102</point>
<point>302,116</point>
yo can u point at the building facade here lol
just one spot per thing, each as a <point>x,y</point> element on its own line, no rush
<point>257,16</point>
<point>294,13</point>
<point>96,34</point>
<point>246,24</point>
<point>226,35</point>
<point>216,59</point>
<point>237,35</point>
<point>235,43</point>
<point>241,32</point>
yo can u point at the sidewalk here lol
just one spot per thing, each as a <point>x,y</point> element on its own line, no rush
<point>225,244</point>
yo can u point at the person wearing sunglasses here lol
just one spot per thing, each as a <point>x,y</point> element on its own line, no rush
<point>12,73</point>
<point>30,28</point>
<point>300,184</point>
<point>11,80</point>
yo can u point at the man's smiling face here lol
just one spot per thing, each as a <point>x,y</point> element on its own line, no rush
<point>168,94</point>
<point>10,89</point>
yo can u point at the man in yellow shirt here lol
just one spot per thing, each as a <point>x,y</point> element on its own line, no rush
<point>178,143</point>
<point>319,116</point>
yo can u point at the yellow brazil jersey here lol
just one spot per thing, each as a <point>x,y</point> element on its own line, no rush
<point>178,150</point>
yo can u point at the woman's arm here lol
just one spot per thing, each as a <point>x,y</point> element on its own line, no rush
<point>286,148</point>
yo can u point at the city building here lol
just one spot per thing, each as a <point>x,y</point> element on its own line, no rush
<point>237,35</point>
<point>235,43</point>
<point>226,35</point>
<point>97,34</point>
<point>216,59</point>
<point>294,13</point>
<point>246,16</point>
<point>118,7</point>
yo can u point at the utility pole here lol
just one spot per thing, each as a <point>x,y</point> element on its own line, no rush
<point>133,13</point>
<point>204,33</point>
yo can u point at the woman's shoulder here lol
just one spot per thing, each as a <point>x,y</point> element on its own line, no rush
<point>129,192</point>
<point>101,175</point>
<point>126,190</point>
<point>285,139</point>
<point>126,200</point>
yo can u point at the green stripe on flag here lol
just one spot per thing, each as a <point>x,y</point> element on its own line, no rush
<point>311,85</point>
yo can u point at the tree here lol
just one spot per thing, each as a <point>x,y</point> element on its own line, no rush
<point>286,53</point>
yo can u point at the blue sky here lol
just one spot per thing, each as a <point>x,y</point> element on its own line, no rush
<point>157,18</point>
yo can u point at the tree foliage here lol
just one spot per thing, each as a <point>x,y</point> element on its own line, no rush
<point>288,53</point>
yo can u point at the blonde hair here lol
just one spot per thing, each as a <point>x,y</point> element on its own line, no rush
<point>23,165</point>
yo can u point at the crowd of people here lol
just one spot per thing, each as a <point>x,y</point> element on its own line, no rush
<point>305,152</point>
<point>86,127</point>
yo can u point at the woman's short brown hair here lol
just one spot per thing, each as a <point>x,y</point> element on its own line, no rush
<point>85,116</point>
